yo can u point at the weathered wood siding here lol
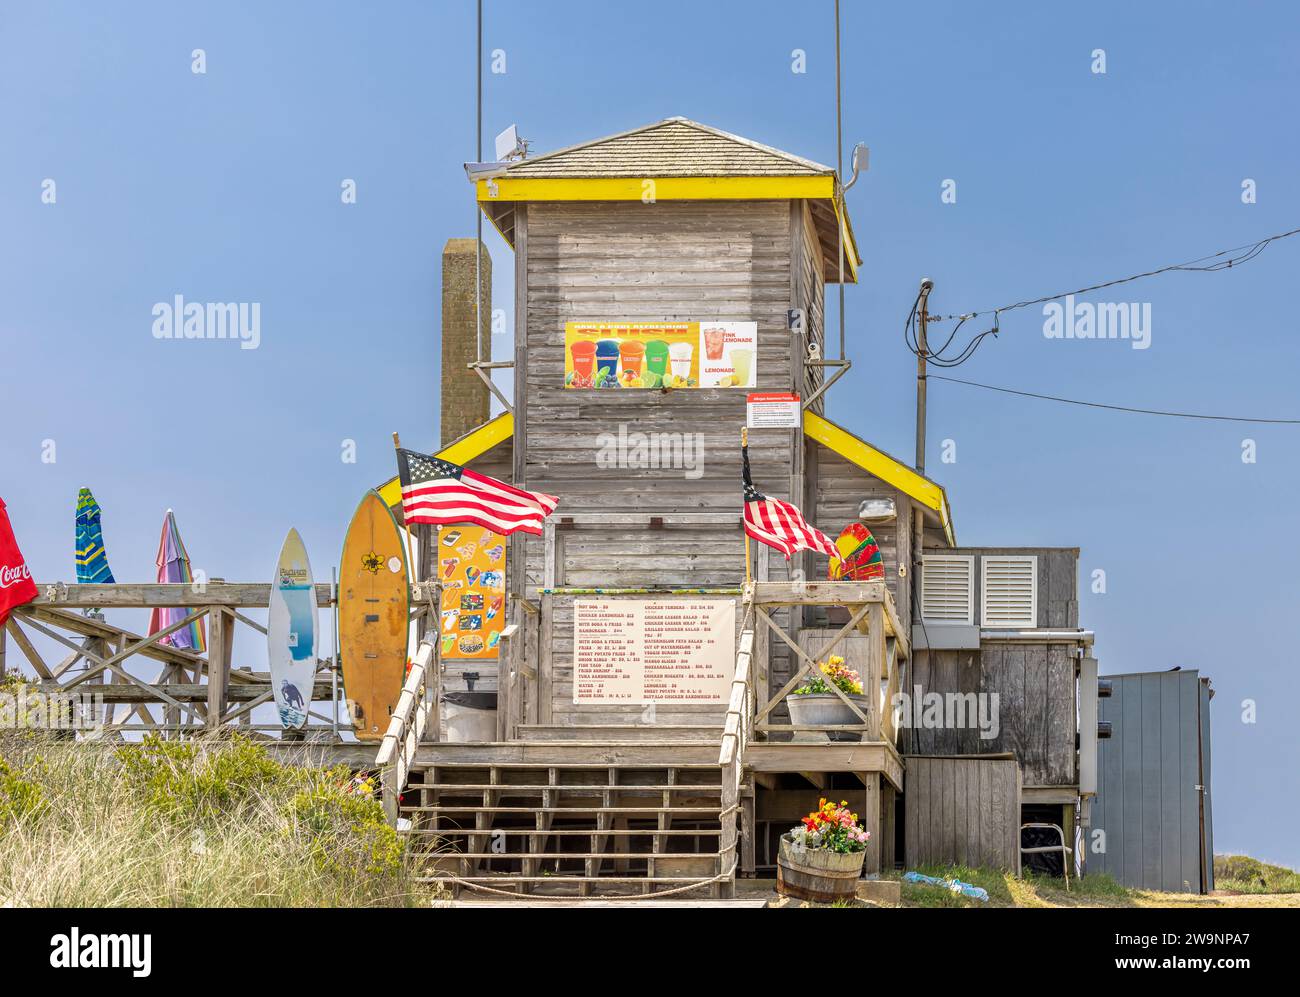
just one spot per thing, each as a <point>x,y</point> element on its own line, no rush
<point>1058,584</point>
<point>670,261</point>
<point>1035,686</point>
<point>841,486</point>
<point>962,811</point>
<point>809,295</point>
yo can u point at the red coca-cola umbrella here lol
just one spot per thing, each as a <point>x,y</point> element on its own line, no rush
<point>16,585</point>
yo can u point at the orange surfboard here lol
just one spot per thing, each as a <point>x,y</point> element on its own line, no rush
<point>374,614</point>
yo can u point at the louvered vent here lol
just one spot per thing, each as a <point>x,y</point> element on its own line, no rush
<point>948,588</point>
<point>1010,592</point>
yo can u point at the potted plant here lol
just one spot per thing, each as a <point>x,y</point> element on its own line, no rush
<point>822,859</point>
<point>813,703</point>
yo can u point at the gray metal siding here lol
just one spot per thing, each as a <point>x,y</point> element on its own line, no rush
<point>1147,799</point>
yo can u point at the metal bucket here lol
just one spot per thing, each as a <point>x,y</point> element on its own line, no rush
<point>816,874</point>
<point>471,717</point>
<point>827,708</point>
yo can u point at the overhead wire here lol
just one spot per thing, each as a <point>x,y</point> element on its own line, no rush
<point>1119,408</point>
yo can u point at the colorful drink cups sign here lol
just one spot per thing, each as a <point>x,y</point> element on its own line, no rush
<point>717,354</point>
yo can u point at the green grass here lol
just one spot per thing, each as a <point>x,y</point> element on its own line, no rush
<point>997,884</point>
<point>1005,890</point>
<point>1242,874</point>
<point>176,823</point>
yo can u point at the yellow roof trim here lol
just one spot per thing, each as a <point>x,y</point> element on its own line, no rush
<point>664,189</point>
<point>473,444</point>
<point>507,189</point>
<point>883,466</point>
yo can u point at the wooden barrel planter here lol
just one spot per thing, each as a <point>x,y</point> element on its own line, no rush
<point>817,874</point>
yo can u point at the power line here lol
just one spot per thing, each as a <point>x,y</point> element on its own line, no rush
<point>1225,259</point>
<point>1118,408</point>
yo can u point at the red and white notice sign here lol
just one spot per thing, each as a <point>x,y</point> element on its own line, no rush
<point>773,410</point>
<point>636,651</point>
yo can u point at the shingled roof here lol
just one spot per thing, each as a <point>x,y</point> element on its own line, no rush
<point>675,147</point>
<point>687,161</point>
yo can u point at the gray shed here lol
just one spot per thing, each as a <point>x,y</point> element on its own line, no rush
<point>1153,788</point>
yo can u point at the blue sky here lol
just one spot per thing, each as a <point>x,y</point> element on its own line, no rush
<point>225,186</point>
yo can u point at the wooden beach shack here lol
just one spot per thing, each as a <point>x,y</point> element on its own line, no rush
<point>628,676</point>
<point>617,763</point>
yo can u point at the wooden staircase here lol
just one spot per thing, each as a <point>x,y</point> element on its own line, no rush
<point>560,827</point>
<point>582,811</point>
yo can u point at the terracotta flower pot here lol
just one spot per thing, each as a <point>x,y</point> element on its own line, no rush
<point>827,708</point>
<point>816,873</point>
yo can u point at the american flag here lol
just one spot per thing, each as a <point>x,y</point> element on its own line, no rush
<point>779,524</point>
<point>438,492</point>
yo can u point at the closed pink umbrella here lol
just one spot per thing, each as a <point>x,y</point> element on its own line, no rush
<point>174,566</point>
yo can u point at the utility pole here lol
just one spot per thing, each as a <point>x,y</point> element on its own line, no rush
<point>923,350</point>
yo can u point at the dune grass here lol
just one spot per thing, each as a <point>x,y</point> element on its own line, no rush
<point>1243,874</point>
<point>173,823</point>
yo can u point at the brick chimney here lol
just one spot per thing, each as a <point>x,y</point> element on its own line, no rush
<point>464,395</point>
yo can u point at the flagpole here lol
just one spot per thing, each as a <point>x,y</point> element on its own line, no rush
<point>744,442</point>
<point>410,539</point>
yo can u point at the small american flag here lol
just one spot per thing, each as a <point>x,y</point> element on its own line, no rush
<point>438,492</point>
<point>779,524</point>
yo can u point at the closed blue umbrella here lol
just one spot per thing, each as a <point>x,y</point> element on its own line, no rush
<point>92,559</point>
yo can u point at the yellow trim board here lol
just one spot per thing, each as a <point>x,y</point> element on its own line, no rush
<point>507,189</point>
<point>473,444</point>
<point>664,189</point>
<point>883,466</point>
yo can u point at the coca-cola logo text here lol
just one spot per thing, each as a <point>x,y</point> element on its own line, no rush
<point>11,576</point>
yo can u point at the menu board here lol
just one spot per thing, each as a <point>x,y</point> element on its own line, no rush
<point>636,651</point>
<point>713,354</point>
<point>472,569</point>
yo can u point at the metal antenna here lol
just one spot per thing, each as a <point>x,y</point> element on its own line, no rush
<point>839,170</point>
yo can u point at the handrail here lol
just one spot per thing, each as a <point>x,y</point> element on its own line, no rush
<point>736,728</point>
<point>731,752</point>
<point>405,728</point>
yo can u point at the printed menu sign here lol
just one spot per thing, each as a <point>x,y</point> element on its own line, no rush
<point>635,651</point>
<point>773,410</point>
<point>711,354</point>
<point>472,567</point>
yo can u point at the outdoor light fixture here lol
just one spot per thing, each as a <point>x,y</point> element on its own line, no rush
<point>877,510</point>
<point>861,162</point>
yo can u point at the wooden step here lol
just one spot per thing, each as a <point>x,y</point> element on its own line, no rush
<point>608,856</point>
<point>570,754</point>
<point>541,787</point>
<point>597,809</point>
<point>680,733</point>
<point>506,879</point>
<point>563,831</point>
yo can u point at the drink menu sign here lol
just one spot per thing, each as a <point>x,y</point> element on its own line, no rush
<point>472,568</point>
<point>636,651</point>
<point>713,354</point>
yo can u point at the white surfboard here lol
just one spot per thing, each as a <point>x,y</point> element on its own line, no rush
<point>293,633</point>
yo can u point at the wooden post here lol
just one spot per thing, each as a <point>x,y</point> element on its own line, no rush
<point>3,638</point>
<point>219,634</point>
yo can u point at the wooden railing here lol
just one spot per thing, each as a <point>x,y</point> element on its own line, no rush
<point>736,733</point>
<point>405,729</point>
<point>189,705</point>
<point>872,614</point>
